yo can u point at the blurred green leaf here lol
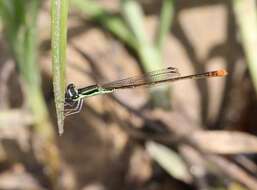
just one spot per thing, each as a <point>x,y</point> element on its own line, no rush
<point>112,23</point>
<point>59,40</point>
<point>150,54</point>
<point>20,29</point>
<point>166,18</point>
<point>246,15</point>
<point>134,16</point>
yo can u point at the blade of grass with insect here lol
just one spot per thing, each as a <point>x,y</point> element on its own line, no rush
<point>246,15</point>
<point>59,40</point>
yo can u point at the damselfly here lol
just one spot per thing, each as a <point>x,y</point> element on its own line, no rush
<point>74,97</point>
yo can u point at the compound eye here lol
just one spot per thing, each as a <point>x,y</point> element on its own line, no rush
<point>71,92</point>
<point>70,86</point>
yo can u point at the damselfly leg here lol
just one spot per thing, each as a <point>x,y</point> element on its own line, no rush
<point>71,108</point>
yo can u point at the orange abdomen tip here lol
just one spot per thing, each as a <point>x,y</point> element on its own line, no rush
<point>222,73</point>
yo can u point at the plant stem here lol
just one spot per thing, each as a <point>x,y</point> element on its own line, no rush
<point>59,40</point>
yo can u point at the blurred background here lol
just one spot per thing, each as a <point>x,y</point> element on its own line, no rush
<point>184,135</point>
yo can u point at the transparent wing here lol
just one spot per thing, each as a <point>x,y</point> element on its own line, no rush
<point>150,78</point>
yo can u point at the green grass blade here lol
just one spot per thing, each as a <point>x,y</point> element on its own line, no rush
<point>166,17</point>
<point>134,16</point>
<point>246,14</point>
<point>59,10</point>
<point>112,23</point>
<point>149,54</point>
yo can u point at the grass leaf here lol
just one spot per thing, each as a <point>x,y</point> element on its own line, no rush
<point>167,13</point>
<point>246,15</point>
<point>112,23</point>
<point>134,16</point>
<point>59,10</point>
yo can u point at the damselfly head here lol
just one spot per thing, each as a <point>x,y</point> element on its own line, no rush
<point>71,93</point>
